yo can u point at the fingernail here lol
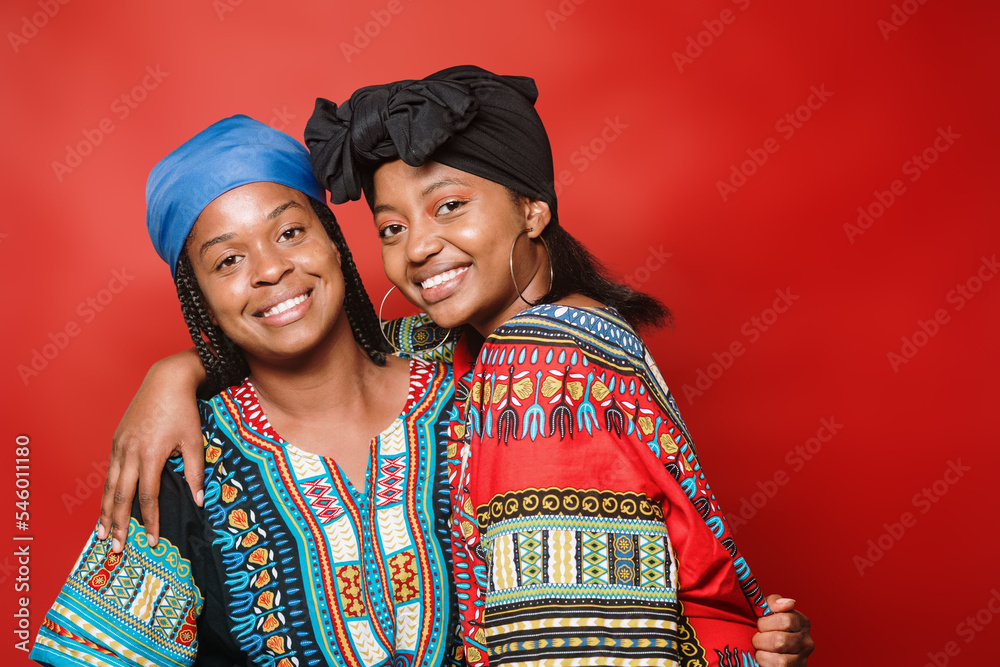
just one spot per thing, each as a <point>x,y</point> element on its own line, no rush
<point>102,532</point>
<point>784,601</point>
<point>200,498</point>
<point>116,546</point>
<point>153,541</point>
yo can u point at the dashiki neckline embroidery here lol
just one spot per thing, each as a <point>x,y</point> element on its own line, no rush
<point>304,569</point>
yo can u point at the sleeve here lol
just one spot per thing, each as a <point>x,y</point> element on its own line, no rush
<point>600,538</point>
<point>139,607</point>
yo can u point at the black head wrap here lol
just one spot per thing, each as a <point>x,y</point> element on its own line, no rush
<point>463,117</point>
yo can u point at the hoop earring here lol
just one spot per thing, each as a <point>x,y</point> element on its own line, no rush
<point>514,280</point>
<point>393,345</point>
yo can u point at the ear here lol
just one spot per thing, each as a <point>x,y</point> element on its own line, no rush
<point>537,216</point>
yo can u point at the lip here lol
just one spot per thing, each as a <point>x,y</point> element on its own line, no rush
<point>288,315</point>
<point>444,290</point>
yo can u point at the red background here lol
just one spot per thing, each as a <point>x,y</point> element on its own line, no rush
<point>652,190</point>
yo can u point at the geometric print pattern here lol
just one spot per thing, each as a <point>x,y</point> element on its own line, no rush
<point>144,600</point>
<point>582,575</point>
<point>555,577</point>
<point>310,569</point>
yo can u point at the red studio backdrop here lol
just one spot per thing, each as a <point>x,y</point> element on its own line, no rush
<point>809,187</point>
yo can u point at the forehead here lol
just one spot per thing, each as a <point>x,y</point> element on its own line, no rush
<point>251,203</point>
<point>397,178</point>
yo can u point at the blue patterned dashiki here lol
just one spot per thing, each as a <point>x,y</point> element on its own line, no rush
<point>288,564</point>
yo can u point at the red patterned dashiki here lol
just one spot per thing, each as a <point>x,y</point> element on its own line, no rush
<point>585,530</point>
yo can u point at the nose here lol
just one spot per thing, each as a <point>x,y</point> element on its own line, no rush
<point>270,264</point>
<point>422,241</point>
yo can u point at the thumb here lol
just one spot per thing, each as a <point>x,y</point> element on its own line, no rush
<point>780,604</point>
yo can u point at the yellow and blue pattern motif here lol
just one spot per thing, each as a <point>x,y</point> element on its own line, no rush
<point>288,564</point>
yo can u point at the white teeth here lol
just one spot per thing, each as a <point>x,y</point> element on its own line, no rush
<point>434,281</point>
<point>285,305</point>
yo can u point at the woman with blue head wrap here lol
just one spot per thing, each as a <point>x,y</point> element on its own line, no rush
<point>322,538</point>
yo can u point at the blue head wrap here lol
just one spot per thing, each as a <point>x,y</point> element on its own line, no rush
<point>233,152</point>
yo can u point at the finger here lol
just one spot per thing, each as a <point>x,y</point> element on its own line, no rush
<point>775,660</point>
<point>779,604</point>
<point>121,510</point>
<point>796,658</point>
<point>770,659</point>
<point>193,453</point>
<point>788,621</point>
<point>784,642</point>
<point>107,499</point>
<point>149,495</point>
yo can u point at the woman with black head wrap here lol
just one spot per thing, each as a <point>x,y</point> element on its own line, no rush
<point>585,529</point>
<point>578,495</point>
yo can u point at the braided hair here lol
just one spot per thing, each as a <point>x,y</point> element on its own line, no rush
<point>224,362</point>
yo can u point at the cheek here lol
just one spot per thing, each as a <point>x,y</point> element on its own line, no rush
<point>394,264</point>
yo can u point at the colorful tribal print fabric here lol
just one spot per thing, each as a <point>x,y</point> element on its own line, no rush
<point>288,564</point>
<point>585,530</point>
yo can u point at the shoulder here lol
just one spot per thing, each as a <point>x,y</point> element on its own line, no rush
<point>417,336</point>
<point>596,332</point>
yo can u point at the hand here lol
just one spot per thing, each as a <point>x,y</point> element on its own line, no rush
<point>783,639</point>
<point>161,421</point>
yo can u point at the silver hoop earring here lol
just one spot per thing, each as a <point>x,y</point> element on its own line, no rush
<point>427,333</point>
<point>547,254</point>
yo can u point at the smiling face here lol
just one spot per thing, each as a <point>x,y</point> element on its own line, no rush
<point>446,241</point>
<point>269,272</point>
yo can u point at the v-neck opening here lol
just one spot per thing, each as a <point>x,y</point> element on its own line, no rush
<point>254,418</point>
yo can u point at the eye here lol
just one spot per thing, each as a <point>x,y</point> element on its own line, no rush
<point>390,229</point>
<point>450,206</point>
<point>228,261</point>
<point>291,233</point>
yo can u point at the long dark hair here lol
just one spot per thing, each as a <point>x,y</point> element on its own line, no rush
<point>575,270</point>
<point>224,362</point>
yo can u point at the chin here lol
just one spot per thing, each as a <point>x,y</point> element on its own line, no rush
<point>445,318</point>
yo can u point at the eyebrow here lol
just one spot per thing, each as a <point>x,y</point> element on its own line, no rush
<point>228,236</point>
<point>211,242</point>
<point>284,207</point>
<point>444,182</point>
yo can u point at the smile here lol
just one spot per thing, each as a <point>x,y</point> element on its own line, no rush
<point>441,278</point>
<point>285,305</point>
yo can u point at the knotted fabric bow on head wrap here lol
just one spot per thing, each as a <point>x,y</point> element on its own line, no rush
<point>463,117</point>
<point>233,152</point>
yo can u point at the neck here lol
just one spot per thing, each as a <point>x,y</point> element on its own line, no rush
<point>533,289</point>
<point>333,376</point>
